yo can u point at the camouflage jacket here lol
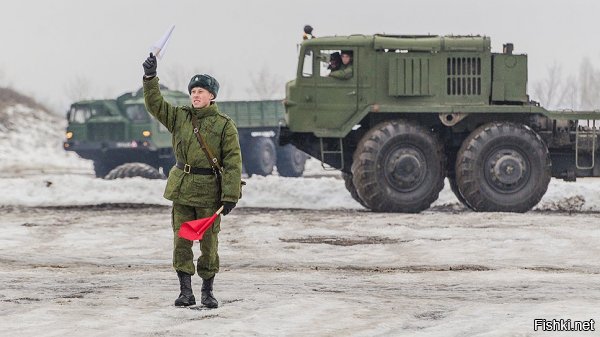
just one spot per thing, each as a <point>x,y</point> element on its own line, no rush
<point>344,73</point>
<point>221,136</point>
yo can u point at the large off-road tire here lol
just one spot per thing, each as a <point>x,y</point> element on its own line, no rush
<point>398,166</point>
<point>167,165</point>
<point>290,161</point>
<point>130,170</point>
<point>101,168</point>
<point>456,191</point>
<point>503,167</point>
<point>350,187</point>
<point>261,156</point>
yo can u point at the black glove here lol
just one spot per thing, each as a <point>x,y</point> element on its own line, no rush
<point>150,66</point>
<point>227,207</point>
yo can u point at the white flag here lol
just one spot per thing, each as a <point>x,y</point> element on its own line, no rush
<point>159,47</point>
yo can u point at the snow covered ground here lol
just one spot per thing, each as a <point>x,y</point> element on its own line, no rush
<point>31,143</point>
<point>321,190</point>
<point>299,256</point>
<point>106,272</point>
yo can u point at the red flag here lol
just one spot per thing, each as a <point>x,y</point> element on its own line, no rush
<point>194,230</point>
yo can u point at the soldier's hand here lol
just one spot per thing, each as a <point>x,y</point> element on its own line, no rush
<point>150,66</point>
<point>227,207</point>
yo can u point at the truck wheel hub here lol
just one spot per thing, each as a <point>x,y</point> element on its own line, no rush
<point>267,156</point>
<point>405,169</point>
<point>507,169</point>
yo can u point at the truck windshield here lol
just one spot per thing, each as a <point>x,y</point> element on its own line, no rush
<point>80,114</point>
<point>137,113</point>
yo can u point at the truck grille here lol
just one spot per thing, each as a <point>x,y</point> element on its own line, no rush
<point>106,131</point>
<point>464,76</point>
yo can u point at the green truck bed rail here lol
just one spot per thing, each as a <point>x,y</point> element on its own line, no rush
<point>254,113</point>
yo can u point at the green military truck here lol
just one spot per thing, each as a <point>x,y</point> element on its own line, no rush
<point>418,109</point>
<point>123,140</point>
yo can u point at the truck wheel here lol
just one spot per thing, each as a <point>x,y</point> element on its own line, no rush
<point>503,167</point>
<point>261,156</point>
<point>130,170</point>
<point>398,166</point>
<point>167,165</point>
<point>456,191</point>
<point>350,187</point>
<point>290,161</point>
<point>101,169</point>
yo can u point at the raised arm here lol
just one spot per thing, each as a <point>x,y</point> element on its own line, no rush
<point>155,103</point>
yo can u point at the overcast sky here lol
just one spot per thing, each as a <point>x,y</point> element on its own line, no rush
<point>48,47</point>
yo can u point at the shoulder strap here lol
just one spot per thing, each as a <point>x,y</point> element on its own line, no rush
<point>214,162</point>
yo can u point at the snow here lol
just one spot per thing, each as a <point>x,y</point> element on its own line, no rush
<point>107,272</point>
<point>31,142</point>
<point>313,192</point>
<point>299,256</point>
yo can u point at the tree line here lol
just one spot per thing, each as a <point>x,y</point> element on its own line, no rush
<point>557,90</point>
<point>580,91</point>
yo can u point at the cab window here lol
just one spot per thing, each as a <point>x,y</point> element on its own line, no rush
<point>79,115</point>
<point>137,113</point>
<point>307,64</point>
<point>329,60</point>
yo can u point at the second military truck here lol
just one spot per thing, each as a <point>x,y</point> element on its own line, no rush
<point>418,109</point>
<point>123,140</point>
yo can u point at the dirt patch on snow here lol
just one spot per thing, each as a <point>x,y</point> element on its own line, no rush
<point>340,241</point>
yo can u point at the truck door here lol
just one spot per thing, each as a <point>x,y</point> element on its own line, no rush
<point>302,90</point>
<point>336,99</point>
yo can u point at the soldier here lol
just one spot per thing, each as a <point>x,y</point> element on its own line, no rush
<point>345,70</point>
<point>335,61</point>
<point>196,189</point>
<point>308,29</point>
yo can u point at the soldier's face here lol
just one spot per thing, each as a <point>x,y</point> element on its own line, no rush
<point>200,97</point>
<point>346,59</point>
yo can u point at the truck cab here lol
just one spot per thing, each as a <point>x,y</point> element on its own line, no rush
<point>115,132</point>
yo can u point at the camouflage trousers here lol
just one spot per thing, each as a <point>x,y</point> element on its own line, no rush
<point>183,256</point>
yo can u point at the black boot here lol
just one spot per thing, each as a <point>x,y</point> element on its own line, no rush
<point>186,297</point>
<point>207,296</point>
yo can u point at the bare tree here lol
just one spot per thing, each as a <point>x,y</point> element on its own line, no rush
<point>589,82</point>
<point>227,90</point>
<point>78,88</point>
<point>265,85</point>
<point>177,77</point>
<point>578,92</point>
<point>570,95</point>
<point>551,91</point>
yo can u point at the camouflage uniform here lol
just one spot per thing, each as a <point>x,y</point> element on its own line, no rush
<point>197,196</point>
<point>343,73</point>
